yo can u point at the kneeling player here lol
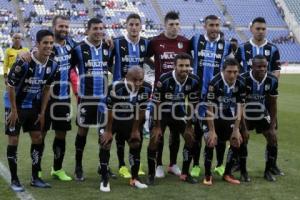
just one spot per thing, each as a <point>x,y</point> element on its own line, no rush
<point>126,101</point>
<point>29,90</point>
<point>170,110</point>
<point>261,87</point>
<point>225,97</point>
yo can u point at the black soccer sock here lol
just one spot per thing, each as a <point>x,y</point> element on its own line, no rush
<point>104,156</point>
<point>151,156</point>
<point>36,156</point>
<point>196,153</point>
<point>160,149</point>
<point>174,143</point>
<point>79,145</point>
<point>275,155</point>
<point>220,151</point>
<point>120,151</point>
<point>270,156</point>
<point>243,153</point>
<point>59,148</point>
<point>231,159</point>
<point>208,156</point>
<point>187,158</point>
<point>134,161</point>
<point>12,159</point>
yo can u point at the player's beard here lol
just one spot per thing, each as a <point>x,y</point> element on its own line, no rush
<point>60,37</point>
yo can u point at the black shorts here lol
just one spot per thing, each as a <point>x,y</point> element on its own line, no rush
<point>87,112</point>
<point>259,125</point>
<point>26,121</point>
<point>58,114</point>
<point>176,126</point>
<point>223,129</point>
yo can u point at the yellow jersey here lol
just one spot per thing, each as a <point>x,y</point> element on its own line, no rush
<point>10,57</point>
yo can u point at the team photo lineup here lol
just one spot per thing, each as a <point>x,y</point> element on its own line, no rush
<point>205,92</point>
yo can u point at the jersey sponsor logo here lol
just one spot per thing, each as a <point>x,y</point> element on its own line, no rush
<point>62,58</point>
<point>255,97</point>
<point>209,54</point>
<point>94,63</point>
<point>131,58</point>
<point>33,80</point>
<point>168,56</point>
<point>180,45</point>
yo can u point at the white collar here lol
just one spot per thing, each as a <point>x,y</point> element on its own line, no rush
<point>37,61</point>
<point>225,83</point>
<point>216,40</point>
<point>90,44</point>
<point>129,41</point>
<point>253,44</point>
<point>57,44</point>
<point>177,82</point>
<point>131,93</point>
<point>256,81</point>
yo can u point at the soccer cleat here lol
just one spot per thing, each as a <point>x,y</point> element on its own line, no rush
<point>245,177</point>
<point>39,183</point>
<point>196,171</point>
<point>159,173</point>
<point>174,169</point>
<point>151,180</point>
<point>269,177</point>
<point>104,185</point>
<point>79,174</point>
<point>16,186</point>
<point>230,179</point>
<point>124,172</point>
<point>60,175</point>
<point>220,170</point>
<point>207,180</point>
<point>137,184</point>
<point>276,171</point>
<point>188,178</point>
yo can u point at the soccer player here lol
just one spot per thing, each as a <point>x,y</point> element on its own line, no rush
<point>164,48</point>
<point>234,45</point>
<point>225,98</point>
<point>170,94</point>
<point>260,86</point>
<point>29,90</point>
<point>209,52</point>
<point>126,102</point>
<point>91,58</point>
<point>129,50</point>
<point>259,45</point>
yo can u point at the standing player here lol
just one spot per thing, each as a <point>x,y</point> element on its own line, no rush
<point>170,94</point>
<point>29,90</point>
<point>259,45</point>
<point>165,47</point>
<point>225,97</point>
<point>126,101</point>
<point>91,58</point>
<point>209,52</point>
<point>129,50</point>
<point>261,86</point>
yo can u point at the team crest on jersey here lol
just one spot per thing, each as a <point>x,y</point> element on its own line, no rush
<point>105,52</point>
<point>48,70</point>
<point>220,46</point>
<point>180,45</point>
<point>211,89</point>
<point>18,69</point>
<point>68,47</point>
<point>235,89</point>
<point>267,52</point>
<point>158,84</point>
<point>188,87</point>
<point>143,48</point>
<point>267,87</point>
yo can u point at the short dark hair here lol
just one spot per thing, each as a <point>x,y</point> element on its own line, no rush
<point>230,62</point>
<point>182,56</point>
<point>258,57</point>
<point>93,21</point>
<point>56,17</point>
<point>258,20</point>
<point>211,17</point>
<point>133,16</point>
<point>233,40</point>
<point>43,33</point>
<point>173,15</point>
